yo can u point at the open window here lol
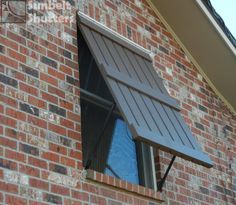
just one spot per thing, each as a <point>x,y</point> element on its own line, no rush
<point>126,108</point>
<point>107,142</point>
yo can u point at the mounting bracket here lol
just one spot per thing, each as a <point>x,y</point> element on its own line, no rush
<point>162,181</point>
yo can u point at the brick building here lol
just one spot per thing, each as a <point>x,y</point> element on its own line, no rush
<point>74,94</point>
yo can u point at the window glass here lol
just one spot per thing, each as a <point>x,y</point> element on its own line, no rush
<point>115,154</point>
<point>122,159</point>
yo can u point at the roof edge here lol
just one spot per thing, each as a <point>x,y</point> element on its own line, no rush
<point>219,21</point>
<point>191,57</point>
<point>219,27</point>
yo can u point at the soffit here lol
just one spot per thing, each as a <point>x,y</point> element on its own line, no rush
<point>204,41</point>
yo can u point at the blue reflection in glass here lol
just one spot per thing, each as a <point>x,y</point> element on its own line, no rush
<point>122,159</point>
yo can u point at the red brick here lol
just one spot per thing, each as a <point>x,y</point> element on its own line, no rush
<point>73,116</point>
<point>10,154</point>
<point>74,135</point>
<point>37,102</point>
<point>78,128</point>
<point>71,48</point>
<point>182,198</point>
<point>10,62</point>
<point>1,197</point>
<point>71,64</point>
<point>91,10</point>
<point>36,47</point>
<point>24,50</point>
<point>36,203</point>
<point>37,122</point>
<point>52,55</point>
<point>107,193</point>
<point>11,133</point>
<point>17,56</point>
<point>60,190</point>
<point>75,154</point>
<point>8,142</point>
<point>16,37</point>
<point>49,97</point>
<point>110,5</point>
<point>29,89</point>
<point>48,79</point>
<point>7,42</point>
<point>80,195</point>
<point>32,171</point>
<point>16,114</point>
<point>15,200</point>
<point>56,74</point>
<point>98,200</point>
<point>39,184</point>
<point>7,187</point>
<point>68,162</point>
<point>90,188</point>
<point>55,91</point>
<point>58,129</point>
<point>66,104</point>
<point>37,162</point>
<point>69,202</point>
<point>8,121</point>
<point>2,88</point>
<point>8,101</point>
<point>140,201</point>
<point>55,40</point>
<point>50,156</point>
<point>66,69</point>
<point>67,123</point>
<point>124,198</point>
<point>47,44</point>
<point>1,130</point>
<point>57,148</point>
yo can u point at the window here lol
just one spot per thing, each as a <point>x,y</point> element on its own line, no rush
<point>108,147</point>
<point>118,72</point>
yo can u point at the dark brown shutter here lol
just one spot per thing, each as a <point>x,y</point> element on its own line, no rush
<point>153,116</point>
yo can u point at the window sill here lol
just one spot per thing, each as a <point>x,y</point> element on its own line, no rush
<point>124,185</point>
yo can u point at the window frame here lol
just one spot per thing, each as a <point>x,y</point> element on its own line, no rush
<point>146,170</point>
<point>145,156</point>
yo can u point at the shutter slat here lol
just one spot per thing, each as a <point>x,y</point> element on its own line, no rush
<point>124,79</point>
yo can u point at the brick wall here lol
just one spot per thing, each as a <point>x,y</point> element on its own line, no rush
<point>40,143</point>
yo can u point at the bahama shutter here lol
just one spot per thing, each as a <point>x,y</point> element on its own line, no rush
<point>152,115</point>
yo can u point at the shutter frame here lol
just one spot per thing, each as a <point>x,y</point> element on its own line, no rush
<point>152,115</point>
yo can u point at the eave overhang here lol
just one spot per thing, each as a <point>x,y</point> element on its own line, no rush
<point>204,42</point>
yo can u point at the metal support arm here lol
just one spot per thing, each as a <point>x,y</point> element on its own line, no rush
<point>162,181</point>
<point>92,153</point>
